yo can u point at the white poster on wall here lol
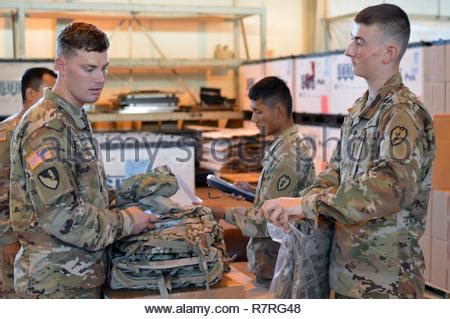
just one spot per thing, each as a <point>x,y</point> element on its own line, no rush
<point>412,70</point>
<point>345,86</point>
<point>249,74</point>
<point>10,88</point>
<point>312,84</point>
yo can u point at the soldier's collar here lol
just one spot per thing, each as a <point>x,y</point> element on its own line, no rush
<point>77,115</point>
<point>367,111</point>
<point>285,134</point>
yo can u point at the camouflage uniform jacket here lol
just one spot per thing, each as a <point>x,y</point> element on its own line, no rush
<point>7,236</point>
<point>59,201</point>
<point>287,169</point>
<point>7,128</point>
<point>376,188</point>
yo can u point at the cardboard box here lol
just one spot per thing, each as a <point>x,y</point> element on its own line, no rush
<point>438,98</point>
<point>434,63</point>
<point>429,214</point>
<point>448,266</point>
<point>434,97</point>
<point>441,165</point>
<point>428,97</point>
<point>447,62</point>
<point>425,245</point>
<point>439,263</point>
<point>447,96</point>
<point>439,216</point>
<point>448,280</point>
<point>448,225</point>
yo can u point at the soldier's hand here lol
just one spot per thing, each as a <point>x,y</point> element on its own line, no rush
<point>142,221</point>
<point>282,211</point>
<point>10,252</point>
<point>244,185</point>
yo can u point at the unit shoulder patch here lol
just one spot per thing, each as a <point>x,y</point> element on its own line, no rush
<point>49,178</point>
<point>283,182</point>
<point>398,134</point>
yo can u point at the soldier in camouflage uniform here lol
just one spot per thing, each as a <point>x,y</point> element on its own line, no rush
<point>59,198</point>
<point>377,184</point>
<point>287,169</point>
<point>33,82</point>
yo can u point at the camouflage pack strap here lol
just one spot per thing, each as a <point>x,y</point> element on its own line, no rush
<point>129,279</point>
<point>162,287</point>
<point>162,264</point>
<point>204,268</point>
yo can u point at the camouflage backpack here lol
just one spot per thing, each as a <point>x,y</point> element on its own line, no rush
<point>185,248</point>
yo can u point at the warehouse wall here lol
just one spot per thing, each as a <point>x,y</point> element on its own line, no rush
<point>197,40</point>
<point>176,39</point>
<point>293,27</point>
<point>425,26</point>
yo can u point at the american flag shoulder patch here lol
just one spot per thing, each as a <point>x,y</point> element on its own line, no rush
<point>38,157</point>
<point>3,136</point>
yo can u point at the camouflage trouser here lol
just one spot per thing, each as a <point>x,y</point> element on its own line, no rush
<point>6,278</point>
<point>93,293</point>
<point>262,257</point>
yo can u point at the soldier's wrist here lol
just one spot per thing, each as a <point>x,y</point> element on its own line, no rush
<point>128,222</point>
<point>308,206</point>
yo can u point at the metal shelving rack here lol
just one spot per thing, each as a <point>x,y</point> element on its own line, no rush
<point>135,13</point>
<point>236,15</point>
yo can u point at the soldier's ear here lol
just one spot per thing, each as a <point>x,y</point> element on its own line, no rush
<point>60,65</point>
<point>279,110</point>
<point>29,94</point>
<point>390,54</point>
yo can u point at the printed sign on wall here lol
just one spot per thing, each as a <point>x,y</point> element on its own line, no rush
<point>411,69</point>
<point>345,86</point>
<point>10,88</point>
<point>312,84</point>
<point>249,74</point>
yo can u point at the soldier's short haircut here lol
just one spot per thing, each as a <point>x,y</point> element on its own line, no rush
<point>392,21</point>
<point>81,36</point>
<point>32,78</point>
<point>272,90</point>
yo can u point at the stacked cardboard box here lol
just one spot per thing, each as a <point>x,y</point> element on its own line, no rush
<point>434,78</point>
<point>447,78</point>
<point>436,241</point>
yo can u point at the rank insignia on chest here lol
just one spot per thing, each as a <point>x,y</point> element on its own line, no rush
<point>3,136</point>
<point>283,182</point>
<point>49,178</point>
<point>38,157</point>
<point>398,134</point>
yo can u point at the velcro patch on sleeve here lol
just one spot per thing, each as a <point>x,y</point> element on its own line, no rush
<point>36,158</point>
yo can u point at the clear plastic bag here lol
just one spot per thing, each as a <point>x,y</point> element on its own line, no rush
<point>302,265</point>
